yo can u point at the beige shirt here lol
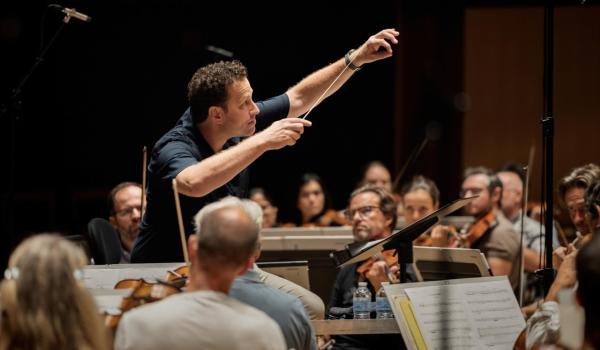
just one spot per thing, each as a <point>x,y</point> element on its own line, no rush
<point>198,320</point>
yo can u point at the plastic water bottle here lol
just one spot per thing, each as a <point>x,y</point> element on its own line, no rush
<point>361,301</point>
<point>382,305</point>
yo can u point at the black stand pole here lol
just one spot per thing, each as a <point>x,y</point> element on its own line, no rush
<point>548,140</point>
<point>12,109</point>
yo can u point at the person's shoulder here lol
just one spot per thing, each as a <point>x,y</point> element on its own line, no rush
<point>164,309</point>
<point>503,225</point>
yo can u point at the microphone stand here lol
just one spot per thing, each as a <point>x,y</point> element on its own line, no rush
<point>12,109</point>
<point>547,273</point>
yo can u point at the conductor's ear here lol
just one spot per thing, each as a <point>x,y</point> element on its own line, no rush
<point>216,113</point>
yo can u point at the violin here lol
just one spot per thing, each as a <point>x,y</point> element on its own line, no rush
<point>145,292</point>
<point>179,276</point>
<point>466,237</point>
<point>390,259</point>
<point>329,218</point>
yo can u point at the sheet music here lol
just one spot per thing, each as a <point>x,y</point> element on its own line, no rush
<point>467,316</point>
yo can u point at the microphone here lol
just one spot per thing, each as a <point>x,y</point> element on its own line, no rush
<point>219,51</point>
<point>69,12</point>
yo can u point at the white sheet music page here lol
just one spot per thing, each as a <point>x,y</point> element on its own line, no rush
<point>467,316</point>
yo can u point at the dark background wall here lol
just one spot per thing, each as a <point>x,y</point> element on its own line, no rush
<point>461,69</point>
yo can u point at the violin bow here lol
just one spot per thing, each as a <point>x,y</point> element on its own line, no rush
<point>411,159</point>
<point>180,222</point>
<point>144,163</point>
<point>524,202</point>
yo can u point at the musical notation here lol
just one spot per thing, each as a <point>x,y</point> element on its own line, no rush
<point>467,316</point>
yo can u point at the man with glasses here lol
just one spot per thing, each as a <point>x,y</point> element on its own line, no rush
<point>125,210</point>
<point>491,233</point>
<point>372,212</point>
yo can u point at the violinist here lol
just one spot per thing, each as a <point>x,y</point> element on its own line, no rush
<point>208,150</point>
<point>313,204</point>
<point>491,233</point>
<point>205,317</point>
<point>269,210</point>
<point>372,211</point>
<point>572,189</point>
<point>421,197</point>
<point>533,232</point>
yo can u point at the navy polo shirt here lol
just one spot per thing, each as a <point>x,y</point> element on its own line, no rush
<point>179,148</point>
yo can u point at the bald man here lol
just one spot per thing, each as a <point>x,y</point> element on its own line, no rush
<point>533,231</point>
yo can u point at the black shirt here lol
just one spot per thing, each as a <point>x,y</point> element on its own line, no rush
<point>179,148</point>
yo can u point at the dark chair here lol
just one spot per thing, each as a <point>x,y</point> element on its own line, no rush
<point>105,245</point>
<point>81,242</point>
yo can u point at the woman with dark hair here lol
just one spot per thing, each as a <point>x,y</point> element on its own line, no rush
<point>269,210</point>
<point>313,203</point>
<point>421,197</point>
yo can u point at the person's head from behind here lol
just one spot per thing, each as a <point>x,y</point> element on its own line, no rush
<point>225,242</point>
<point>592,206</point>
<point>372,212</point>
<point>421,197</point>
<point>512,190</point>
<point>312,199</point>
<point>125,208</point>
<point>588,276</point>
<point>481,181</point>
<point>571,191</point>
<point>43,300</point>
<point>221,93</point>
<point>376,173</point>
<point>265,202</point>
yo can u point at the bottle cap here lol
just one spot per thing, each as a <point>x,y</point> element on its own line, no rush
<point>362,284</point>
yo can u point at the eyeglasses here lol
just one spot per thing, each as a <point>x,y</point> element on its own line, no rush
<point>128,211</point>
<point>474,191</point>
<point>362,211</point>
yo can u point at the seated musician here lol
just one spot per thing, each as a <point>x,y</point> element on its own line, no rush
<point>421,197</point>
<point>313,204</point>
<point>43,300</point>
<point>205,317</point>
<point>376,173</point>
<point>511,206</point>
<point>577,267</point>
<point>491,233</point>
<point>592,207</point>
<point>269,210</point>
<point>284,308</point>
<point>125,210</point>
<point>571,190</point>
<point>372,211</point>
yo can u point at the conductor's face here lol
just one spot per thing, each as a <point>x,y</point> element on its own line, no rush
<point>240,111</point>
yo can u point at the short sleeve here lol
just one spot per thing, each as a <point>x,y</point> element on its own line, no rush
<point>272,110</point>
<point>173,158</point>
<point>504,244</point>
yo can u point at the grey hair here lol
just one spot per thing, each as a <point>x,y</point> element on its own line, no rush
<point>251,208</point>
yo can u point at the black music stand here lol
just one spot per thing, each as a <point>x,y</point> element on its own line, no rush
<point>400,241</point>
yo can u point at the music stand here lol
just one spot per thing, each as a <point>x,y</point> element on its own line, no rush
<point>400,241</point>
